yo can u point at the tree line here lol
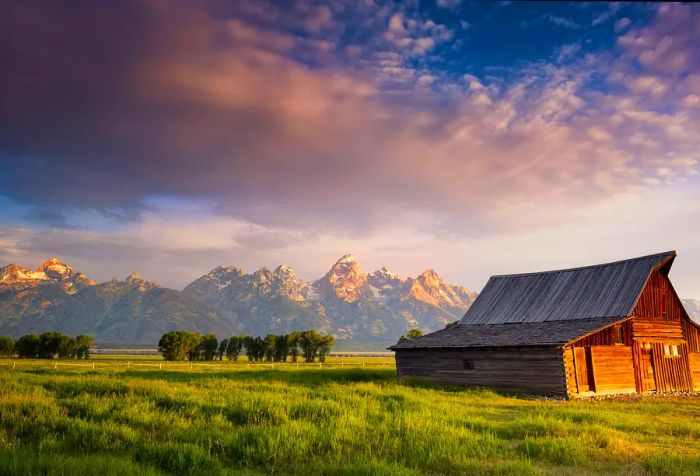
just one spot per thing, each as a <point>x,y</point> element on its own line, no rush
<point>184,345</point>
<point>49,345</point>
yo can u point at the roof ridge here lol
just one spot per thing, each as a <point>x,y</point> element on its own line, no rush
<point>584,319</point>
<point>601,265</point>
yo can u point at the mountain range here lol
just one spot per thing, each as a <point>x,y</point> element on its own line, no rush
<point>363,310</point>
<point>360,308</point>
<point>132,311</point>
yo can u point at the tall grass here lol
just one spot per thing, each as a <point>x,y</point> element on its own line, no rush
<point>324,421</point>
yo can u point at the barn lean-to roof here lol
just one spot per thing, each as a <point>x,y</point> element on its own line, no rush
<point>521,334</point>
<point>551,307</point>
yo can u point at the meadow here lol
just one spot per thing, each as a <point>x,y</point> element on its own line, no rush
<point>341,419</point>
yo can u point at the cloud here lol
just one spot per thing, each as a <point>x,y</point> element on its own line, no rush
<point>415,37</point>
<point>605,16</point>
<point>622,24</point>
<point>260,114</point>
<point>669,44</point>
<point>562,21</point>
<point>449,4</point>
<point>174,249</point>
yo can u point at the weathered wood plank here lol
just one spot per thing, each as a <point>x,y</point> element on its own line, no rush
<point>538,371</point>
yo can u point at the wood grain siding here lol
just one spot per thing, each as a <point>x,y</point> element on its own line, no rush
<point>613,371</point>
<point>658,299</point>
<point>694,360</point>
<point>608,336</point>
<point>691,331</point>
<point>657,330</point>
<point>530,370</point>
<point>671,373</point>
<point>570,371</point>
<point>660,321</point>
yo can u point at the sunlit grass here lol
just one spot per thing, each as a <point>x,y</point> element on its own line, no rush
<point>323,421</point>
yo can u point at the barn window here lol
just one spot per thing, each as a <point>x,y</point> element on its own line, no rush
<point>468,364</point>
<point>670,350</point>
<point>619,338</point>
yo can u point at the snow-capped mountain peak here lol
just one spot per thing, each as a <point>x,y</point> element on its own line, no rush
<point>134,278</point>
<point>54,268</point>
<point>345,281</point>
<point>13,273</point>
<point>346,258</point>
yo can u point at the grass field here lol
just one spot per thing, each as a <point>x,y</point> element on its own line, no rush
<point>351,420</point>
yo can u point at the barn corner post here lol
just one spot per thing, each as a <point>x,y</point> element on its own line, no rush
<point>603,329</point>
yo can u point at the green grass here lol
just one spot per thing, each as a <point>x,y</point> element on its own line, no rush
<point>323,421</point>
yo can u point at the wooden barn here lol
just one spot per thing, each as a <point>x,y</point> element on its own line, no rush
<point>610,328</point>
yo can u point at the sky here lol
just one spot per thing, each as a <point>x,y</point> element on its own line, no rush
<point>475,138</point>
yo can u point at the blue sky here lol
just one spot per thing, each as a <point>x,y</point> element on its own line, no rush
<point>477,138</point>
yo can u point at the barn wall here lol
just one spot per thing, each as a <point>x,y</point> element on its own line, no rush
<point>608,336</point>
<point>570,370</point>
<point>612,369</point>
<point>659,300</point>
<point>660,319</point>
<point>694,358</point>
<point>537,371</point>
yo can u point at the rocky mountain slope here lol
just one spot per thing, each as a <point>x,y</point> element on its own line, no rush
<point>346,301</point>
<point>693,308</point>
<point>133,311</point>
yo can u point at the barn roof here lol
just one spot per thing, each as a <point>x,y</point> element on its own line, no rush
<point>550,307</point>
<point>603,290</point>
<point>508,335</point>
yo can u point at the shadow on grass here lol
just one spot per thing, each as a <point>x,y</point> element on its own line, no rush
<point>310,377</point>
<point>482,391</point>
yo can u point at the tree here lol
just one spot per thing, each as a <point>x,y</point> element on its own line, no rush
<point>308,342</point>
<point>66,347</point>
<point>178,345</point>
<point>49,344</point>
<point>83,344</point>
<point>415,334</point>
<point>293,344</point>
<point>269,346</point>
<point>412,334</point>
<point>208,347</point>
<point>196,351</point>
<point>7,346</point>
<point>235,345</point>
<point>324,348</point>
<point>254,348</point>
<point>281,348</point>
<point>27,346</point>
<point>450,325</point>
<point>223,345</point>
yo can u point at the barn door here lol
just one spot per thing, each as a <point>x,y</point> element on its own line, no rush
<point>647,370</point>
<point>584,369</point>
